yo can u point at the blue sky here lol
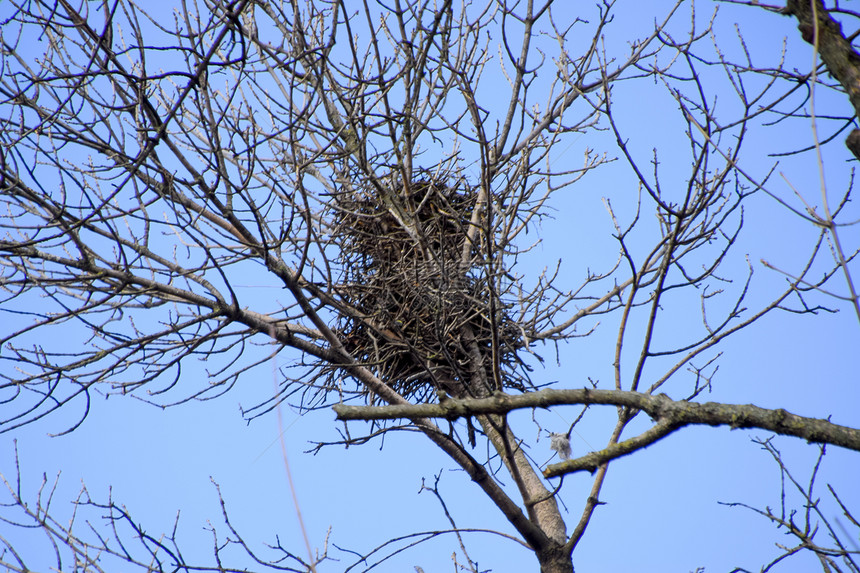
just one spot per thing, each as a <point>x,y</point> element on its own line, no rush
<point>662,512</point>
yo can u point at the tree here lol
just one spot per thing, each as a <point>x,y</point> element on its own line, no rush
<point>363,160</point>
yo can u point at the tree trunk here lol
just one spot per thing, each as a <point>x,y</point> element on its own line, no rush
<point>555,560</point>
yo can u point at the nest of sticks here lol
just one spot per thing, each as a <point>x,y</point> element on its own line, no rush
<point>425,319</point>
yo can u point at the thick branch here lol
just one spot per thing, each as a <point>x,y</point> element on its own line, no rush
<point>842,61</point>
<point>836,52</point>
<point>669,414</point>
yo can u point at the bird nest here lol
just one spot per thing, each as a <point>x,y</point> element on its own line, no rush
<point>424,315</point>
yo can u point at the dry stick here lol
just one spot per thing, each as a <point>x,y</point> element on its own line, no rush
<point>828,218</point>
<point>281,431</point>
<point>813,218</point>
